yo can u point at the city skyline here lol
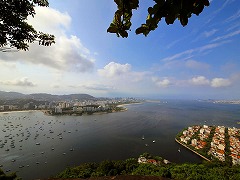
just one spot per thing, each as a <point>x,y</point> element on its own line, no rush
<point>200,60</point>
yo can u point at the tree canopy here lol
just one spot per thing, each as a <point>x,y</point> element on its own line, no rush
<point>15,32</point>
<point>168,9</point>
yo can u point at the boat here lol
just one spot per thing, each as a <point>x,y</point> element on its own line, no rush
<point>146,145</point>
<point>154,141</point>
<point>143,137</point>
<point>179,150</point>
<point>37,143</point>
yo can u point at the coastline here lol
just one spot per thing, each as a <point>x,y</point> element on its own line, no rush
<point>192,150</point>
<point>7,112</point>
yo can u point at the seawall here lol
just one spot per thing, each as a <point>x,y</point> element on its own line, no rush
<point>192,150</point>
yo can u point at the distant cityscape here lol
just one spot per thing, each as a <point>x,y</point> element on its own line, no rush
<point>76,104</point>
<point>77,107</point>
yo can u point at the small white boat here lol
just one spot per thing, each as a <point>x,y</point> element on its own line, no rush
<point>179,150</point>
<point>154,141</point>
<point>143,137</point>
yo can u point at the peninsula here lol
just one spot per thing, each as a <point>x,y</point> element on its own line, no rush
<point>72,104</point>
<point>212,143</point>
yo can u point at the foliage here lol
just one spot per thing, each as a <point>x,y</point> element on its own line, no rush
<point>228,158</point>
<point>4,176</point>
<point>15,32</point>
<point>168,9</point>
<point>204,171</point>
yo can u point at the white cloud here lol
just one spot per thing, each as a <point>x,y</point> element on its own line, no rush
<point>8,65</point>
<point>229,35</point>
<point>19,82</point>
<point>220,82</point>
<point>209,33</point>
<point>98,87</point>
<point>55,86</point>
<point>113,69</point>
<point>68,54</point>
<point>193,52</point>
<point>200,80</point>
<point>196,65</point>
<point>50,20</point>
<point>215,82</point>
<point>234,16</point>
<point>165,82</point>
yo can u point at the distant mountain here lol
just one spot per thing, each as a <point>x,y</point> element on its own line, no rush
<point>44,96</point>
<point>11,95</point>
<point>50,97</point>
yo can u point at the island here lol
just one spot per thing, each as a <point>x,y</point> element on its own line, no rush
<point>212,142</point>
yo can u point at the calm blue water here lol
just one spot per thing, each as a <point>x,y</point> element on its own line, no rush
<point>78,139</point>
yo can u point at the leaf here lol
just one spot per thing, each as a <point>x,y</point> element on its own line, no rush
<point>183,19</point>
<point>170,19</point>
<point>123,34</point>
<point>140,30</point>
<point>150,10</point>
<point>112,29</point>
<point>206,2</point>
<point>198,9</point>
<point>134,4</point>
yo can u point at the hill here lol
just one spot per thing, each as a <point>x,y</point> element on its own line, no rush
<point>44,96</point>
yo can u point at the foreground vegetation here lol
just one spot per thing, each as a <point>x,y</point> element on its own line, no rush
<point>207,170</point>
<point>213,170</point>
<point>4,176</point>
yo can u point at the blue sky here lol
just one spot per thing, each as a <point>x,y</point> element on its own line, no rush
<point>200,60</point>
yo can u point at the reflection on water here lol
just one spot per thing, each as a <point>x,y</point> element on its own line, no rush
<point>39,146</point>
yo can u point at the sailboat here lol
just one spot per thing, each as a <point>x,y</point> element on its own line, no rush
<point>143,137</point>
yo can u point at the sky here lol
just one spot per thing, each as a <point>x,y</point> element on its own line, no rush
<point>198,61</point>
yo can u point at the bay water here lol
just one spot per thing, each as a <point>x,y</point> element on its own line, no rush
<point>39,146</point>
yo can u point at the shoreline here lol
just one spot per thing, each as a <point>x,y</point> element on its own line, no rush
<point>7,112</point>
<point>122,105</point>
<point>192,150</point>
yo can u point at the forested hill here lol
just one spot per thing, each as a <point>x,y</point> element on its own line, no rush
<point>44,96</point>
<point>205,171</point>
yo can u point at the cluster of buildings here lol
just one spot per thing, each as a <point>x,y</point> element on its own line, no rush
<point>81,109</point>
<point>144,160</point>
<point>204,134</point>
<point>188,133</point>
<point>218,144</point>
<point>234,135</point>
<point>86,106</point>
<point>72,105</point>
<point>227,101</point>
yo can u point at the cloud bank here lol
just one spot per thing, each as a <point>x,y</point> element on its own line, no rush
<point>68,54</point>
